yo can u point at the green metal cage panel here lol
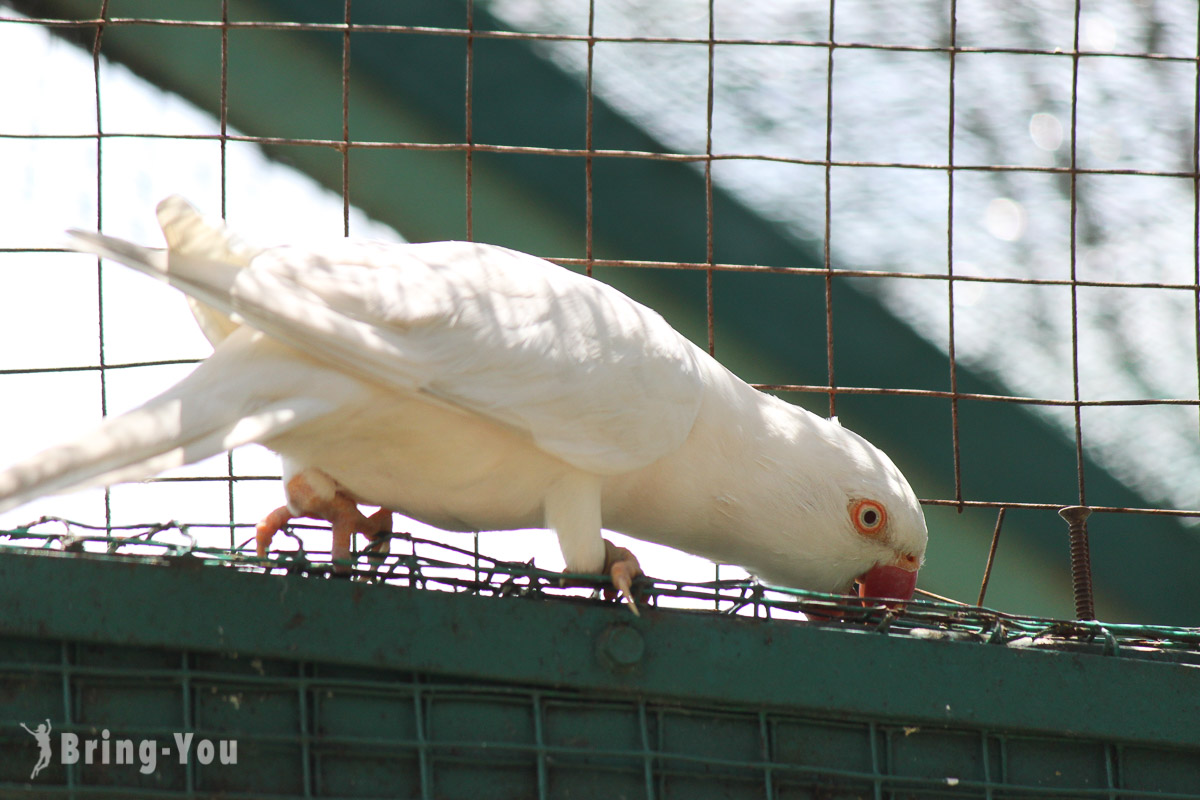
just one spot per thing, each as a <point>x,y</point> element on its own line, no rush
<point>429,678</point>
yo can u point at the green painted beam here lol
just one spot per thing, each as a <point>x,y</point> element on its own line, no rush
<point>592,646</point>
<point>409,87</point>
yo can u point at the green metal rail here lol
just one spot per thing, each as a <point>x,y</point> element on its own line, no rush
<point>434,674</point>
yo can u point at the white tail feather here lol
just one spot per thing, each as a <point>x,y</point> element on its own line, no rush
<point>207,413</point>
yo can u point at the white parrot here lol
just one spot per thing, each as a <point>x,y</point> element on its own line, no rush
<point>477,388</point>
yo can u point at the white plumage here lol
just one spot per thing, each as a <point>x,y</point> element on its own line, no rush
<point>478,388</point>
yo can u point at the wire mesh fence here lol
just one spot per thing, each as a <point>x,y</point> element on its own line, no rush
<point>1056,199</point>
<point>415,562</point>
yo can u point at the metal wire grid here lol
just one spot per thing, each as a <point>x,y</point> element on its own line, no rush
<point>346,145</point>
<point>415,562</point>
<point>330,731</point>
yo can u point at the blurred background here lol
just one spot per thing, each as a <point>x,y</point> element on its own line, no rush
<point>968,229</point>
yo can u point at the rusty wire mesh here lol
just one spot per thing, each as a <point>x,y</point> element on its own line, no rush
<point>107,18</point>
<point>415,562</point>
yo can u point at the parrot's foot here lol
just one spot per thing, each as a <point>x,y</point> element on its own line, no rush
<point>340,511</point>
<point>381,537</point>
<point>623,568</point>
<point>265,530</point>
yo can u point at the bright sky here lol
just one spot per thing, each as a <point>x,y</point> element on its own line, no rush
<point>49,301</point>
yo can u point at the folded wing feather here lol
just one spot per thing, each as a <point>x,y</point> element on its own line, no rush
<point>595,378</point>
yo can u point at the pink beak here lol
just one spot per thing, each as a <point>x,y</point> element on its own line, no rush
<point>888,582</point>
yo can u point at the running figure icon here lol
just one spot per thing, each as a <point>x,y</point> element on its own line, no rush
<point>42,734</point>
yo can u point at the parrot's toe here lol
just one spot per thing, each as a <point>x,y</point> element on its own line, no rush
<point>623,567</point>
<point>379,531</point>
<point>265,530</point>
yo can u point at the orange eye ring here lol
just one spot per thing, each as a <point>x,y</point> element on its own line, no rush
<point>868,516</point>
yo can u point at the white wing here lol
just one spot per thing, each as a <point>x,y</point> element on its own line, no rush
<point>187,232</point>
<point>595,378</point>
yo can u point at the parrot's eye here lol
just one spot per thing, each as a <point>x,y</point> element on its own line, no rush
<point>868,516</point>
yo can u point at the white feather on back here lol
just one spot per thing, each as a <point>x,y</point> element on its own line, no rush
<point>598,380</point>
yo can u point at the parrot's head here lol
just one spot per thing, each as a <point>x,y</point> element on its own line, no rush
<point>852,519</point>
<point>900,550</point>
<point>882,524</point>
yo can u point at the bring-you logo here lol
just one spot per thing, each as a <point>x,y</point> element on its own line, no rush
<point>142,754</point>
